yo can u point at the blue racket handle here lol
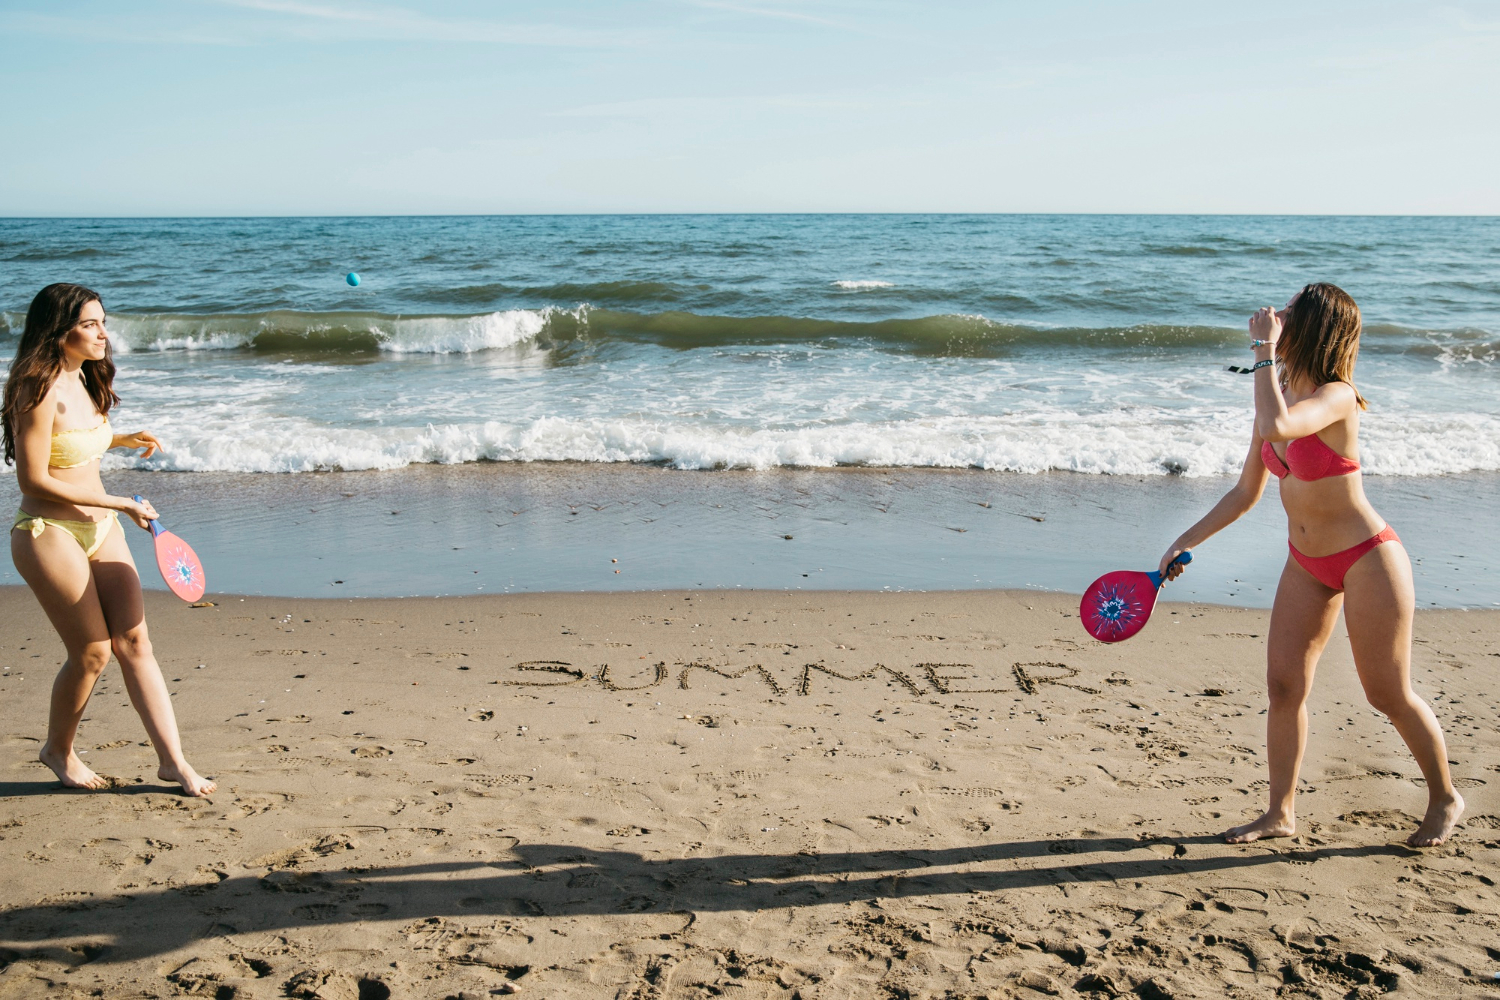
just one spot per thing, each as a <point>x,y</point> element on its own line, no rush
<point>1158,578</point>
<point>157,529</point>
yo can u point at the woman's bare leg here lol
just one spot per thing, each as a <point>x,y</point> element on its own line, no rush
<point>55,568</point>
<point>1302,619</point>
<point>119,588</point>
<point>1378,608</point>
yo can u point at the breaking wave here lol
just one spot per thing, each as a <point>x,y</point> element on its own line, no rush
<point>1150,442</point>
<point>332,332</point>
<point>948,334</point>
<point>286,331</point>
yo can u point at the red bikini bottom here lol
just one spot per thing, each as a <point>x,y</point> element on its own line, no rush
<point>1330,570</point>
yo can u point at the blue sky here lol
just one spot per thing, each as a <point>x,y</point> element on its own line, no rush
<point>445,106</point>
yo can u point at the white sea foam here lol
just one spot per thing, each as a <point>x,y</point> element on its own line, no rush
<point>1149,411</point>
<point>862,286</point>
<point>126,336</point>
<point>465,334</point>
<point>332,331</point>
<point>1149,443</point>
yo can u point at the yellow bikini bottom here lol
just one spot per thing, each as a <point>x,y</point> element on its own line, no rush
<point>89,534</point>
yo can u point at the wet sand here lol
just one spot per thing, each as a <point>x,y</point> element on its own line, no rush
<point>495,527</point>
<point>745,795</point>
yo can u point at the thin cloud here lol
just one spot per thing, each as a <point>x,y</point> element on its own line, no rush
<point>309,10</point>
<point>786,15</point>
<point>717,107</point>
<point>866,26</point>
<point>398,22</point>
<point>1468,22</point>
<point>19,23</point>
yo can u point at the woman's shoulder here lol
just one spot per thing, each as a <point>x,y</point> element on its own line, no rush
<point>1337,393</point>
<point>70,408</point>
<point>1341,407</point>
<point>46,406</point>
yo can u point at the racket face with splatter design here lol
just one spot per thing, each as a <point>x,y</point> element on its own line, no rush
<point>1118,605</point>
<point>178,563</point>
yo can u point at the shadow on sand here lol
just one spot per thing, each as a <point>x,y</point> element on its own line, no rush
<point>26,789</point>
<point>553,880</point>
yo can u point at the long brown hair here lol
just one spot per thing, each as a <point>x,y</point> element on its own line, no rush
<point>39,358</point>
<point>1320,339</point>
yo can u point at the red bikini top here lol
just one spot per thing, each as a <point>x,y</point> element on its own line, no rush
<point>1307,458</point>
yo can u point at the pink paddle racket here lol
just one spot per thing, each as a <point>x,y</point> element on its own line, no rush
<point>1117,605</point>
<point>178,562</point>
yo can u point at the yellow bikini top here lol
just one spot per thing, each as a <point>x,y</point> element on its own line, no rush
<point>80,446</point>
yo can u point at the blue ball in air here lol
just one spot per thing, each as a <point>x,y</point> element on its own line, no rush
<point>352,278</point>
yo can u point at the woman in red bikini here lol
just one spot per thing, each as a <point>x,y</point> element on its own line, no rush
<point>1343,554</point>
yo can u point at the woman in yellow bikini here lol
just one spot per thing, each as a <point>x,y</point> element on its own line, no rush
<point>67,542</point>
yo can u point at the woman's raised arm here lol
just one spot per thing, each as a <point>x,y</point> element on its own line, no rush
<point>1274,420</point>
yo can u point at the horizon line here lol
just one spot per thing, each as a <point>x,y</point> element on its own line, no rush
<point>669,214</point>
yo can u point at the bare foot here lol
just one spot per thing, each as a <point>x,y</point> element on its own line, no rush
<point>71,771</point>
<point>1439,822</point>
<point>192,782</point>
<point>1268,825</point>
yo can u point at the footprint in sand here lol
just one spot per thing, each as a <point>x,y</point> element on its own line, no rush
<point>498,780</point>
<point>316,985</point>
<point>115,853</point>
<point>254,805</point>
<point>1383,819</point>
<point>1210,780</point>
<point>205,976</point>
<point>636,904</point>
<point>291,857</point>
<point>316,911</point>
<point>1241,897</point>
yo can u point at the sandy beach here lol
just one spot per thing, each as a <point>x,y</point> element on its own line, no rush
<point>746,795</point>
<point>641,464</point>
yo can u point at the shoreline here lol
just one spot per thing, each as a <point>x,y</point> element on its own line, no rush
<point>818,794</point>
<point>555,527</point>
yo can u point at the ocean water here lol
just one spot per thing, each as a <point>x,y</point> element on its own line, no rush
<point>1091,344</point>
